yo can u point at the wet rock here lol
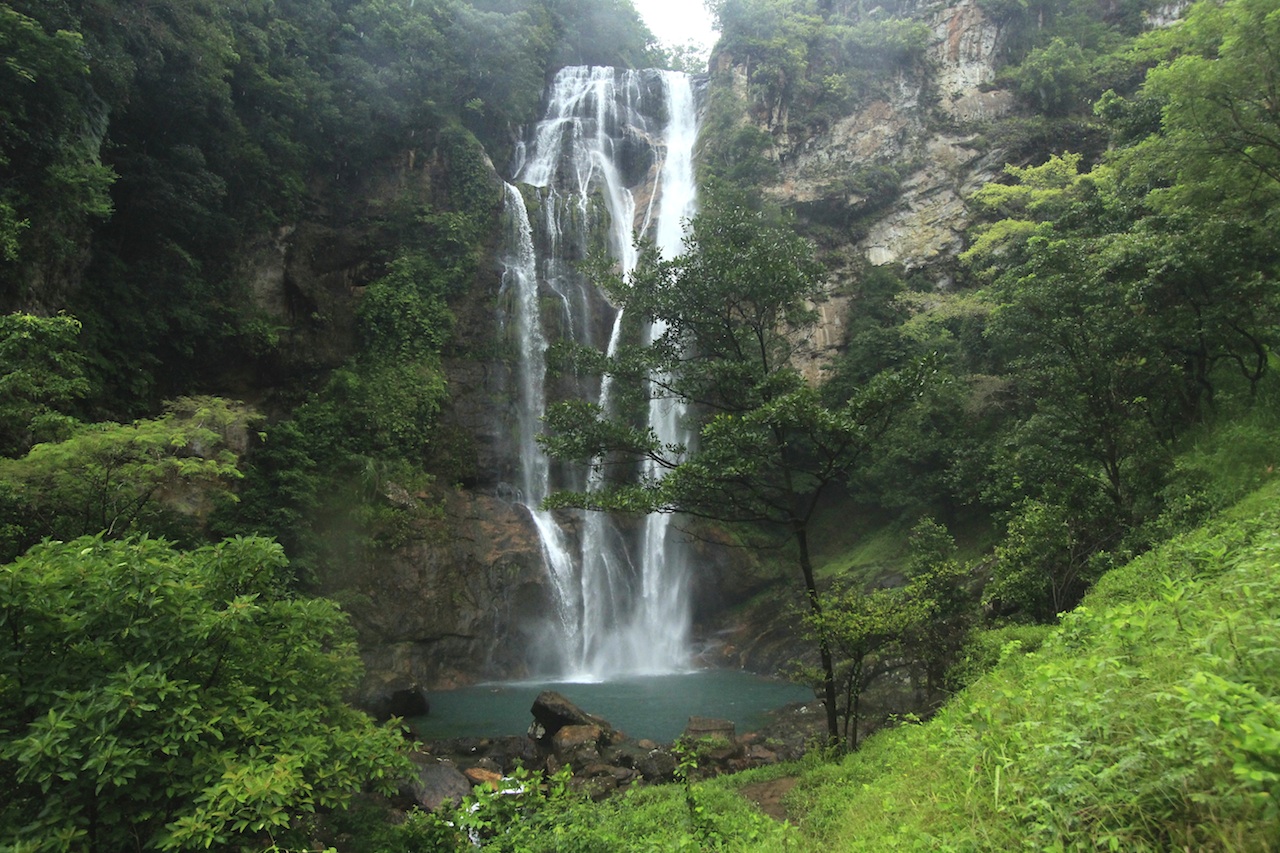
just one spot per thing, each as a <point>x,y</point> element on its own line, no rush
<point>620,775</point>
<point>578,746</point>
<point>552,712</point>
<point>657,766</point>
<point>438,783</point>
<point>481,776</point>
<point>487,764</point>
<point>597,787</point>
<point>571,739</point>
<point>397,698</point>
<point>629,754</point>
<point>709,728</point>
<point>507,752</point>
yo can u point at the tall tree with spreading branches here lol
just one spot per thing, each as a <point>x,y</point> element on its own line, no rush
<point>727,317</point>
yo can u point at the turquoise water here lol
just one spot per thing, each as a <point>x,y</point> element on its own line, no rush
<point>655,707</point>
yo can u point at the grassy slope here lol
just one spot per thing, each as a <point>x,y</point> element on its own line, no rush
<point>1149,721</point>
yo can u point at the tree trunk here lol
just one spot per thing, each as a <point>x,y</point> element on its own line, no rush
<point>824,648</point>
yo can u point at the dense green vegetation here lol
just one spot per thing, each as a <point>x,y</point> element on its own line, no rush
<point>1113,298</point>
<point>1102,394</point>
<point>1148,720</point>
<point>143,146</point>
<point>158,699</point>
<point>169,693</point>
<point>147,152</point>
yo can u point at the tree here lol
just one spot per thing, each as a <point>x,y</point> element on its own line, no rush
<point>152,698</point>
<point>41,374</point>
<point>727,316</point>
<point>1048,559</point>
<point>1218,92</point>
<point>122,478</point>
<point>866,629</point>
<point>919,626</point>
<point>50,131</point>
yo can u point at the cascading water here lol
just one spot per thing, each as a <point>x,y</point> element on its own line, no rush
<point>612,156</point>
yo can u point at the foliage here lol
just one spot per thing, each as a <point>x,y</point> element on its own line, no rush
<point>51,126</point>
<point>916,627</point>
<point>1216,111</point>
<point>808,63</point>
<point>1046,561</point>
<point>145,148</point>
<point>865,630</point>
<point>536,813</point>
<point>1130,300</point>
<point>727,315</point>
<point>43,375</point>
<point>124,478</point>
<point>1142,724</point>
<point>155,698</point>
<point>986,648</point>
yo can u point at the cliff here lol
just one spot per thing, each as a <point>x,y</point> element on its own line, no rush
<point>885,182</point>
<point>462,599</point>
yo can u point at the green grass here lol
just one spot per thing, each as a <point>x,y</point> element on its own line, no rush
<point>875,552</point>
<point>1150,720</point>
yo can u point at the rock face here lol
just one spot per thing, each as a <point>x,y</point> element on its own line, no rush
<point>462,599</point>
<point>437,784</point>
<point>921,126</point>
<point>552,712</point>
<point>458,604</point>
<point>405,699</point>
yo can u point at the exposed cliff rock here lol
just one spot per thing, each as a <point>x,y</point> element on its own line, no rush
<point>305,279</point>
<point>458,603</point>
<point>461,601</point>
<point>887,182</point>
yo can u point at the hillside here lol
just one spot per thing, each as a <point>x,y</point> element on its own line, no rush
<point>1148,720</point>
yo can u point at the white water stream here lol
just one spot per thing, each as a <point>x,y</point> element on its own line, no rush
<point>612,156</point>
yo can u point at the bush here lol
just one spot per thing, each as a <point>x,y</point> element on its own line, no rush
<point>153,698</point>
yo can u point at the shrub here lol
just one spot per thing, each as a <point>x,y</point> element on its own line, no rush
<point>153,698</point>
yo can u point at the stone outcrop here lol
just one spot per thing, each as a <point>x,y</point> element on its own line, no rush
<point>921,125</point>
<point>437,784</point>
<point>456,604</point>
<point>603,760</point>
<point>553,712</point>
<point>397,698</point>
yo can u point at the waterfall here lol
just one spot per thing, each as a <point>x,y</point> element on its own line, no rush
<point>613,155</point>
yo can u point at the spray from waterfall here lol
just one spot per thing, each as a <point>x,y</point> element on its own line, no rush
<point>608,139</point>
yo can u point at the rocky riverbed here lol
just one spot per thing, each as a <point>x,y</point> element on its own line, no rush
<point>602,759</point>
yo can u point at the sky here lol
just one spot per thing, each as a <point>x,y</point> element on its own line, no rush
<point>677,22</point>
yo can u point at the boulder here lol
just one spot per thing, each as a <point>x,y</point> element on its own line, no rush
<point>509,751</point>
<point>486,763</point>
<point>621,775</point>
<point>629,754</point>
<point>481,776</point>
<point>709,728</point>
<point>657,766</point>
<point>571,739</point>
<point>398,699</point>
<point>552,712</point>
<point>438,784</point>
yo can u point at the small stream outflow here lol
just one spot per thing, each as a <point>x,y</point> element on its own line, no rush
<point>612,157</point>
